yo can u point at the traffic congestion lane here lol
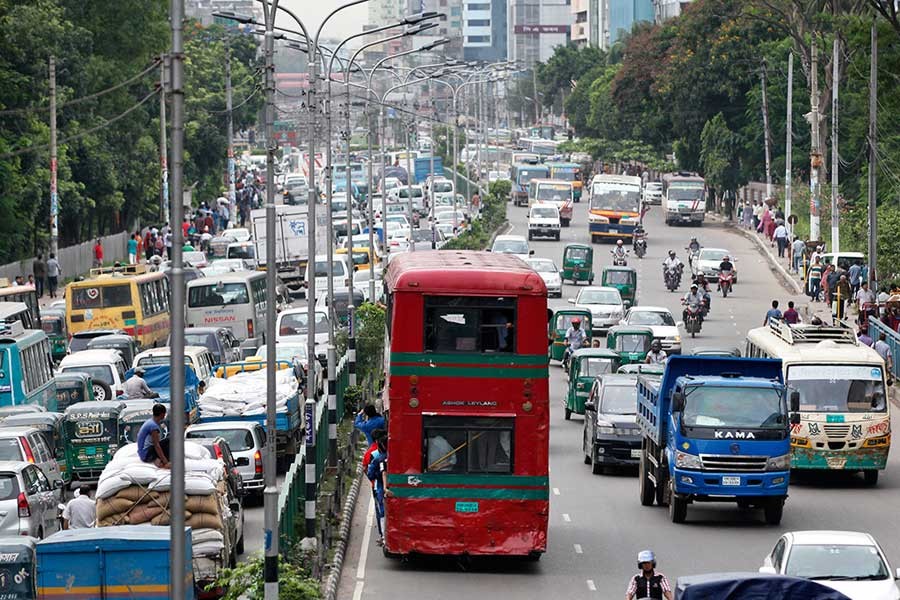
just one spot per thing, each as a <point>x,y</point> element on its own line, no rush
<point>597,524</point>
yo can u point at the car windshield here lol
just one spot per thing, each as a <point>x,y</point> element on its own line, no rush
<point>421,235</point>
<point>510,246</point>
<point>442,187</point>
<point>593,367</point>
<point>633,342</point>
<point>194,258</point>
<point>653,187</point>
<point>618,399</point>
<point>544,266</point>
<point>734,407</point>
<point>10,450</point>
<point>650,317</point>
<point>205,340</point>
<point>295,323</point>
<point>838,388</point>
<point>246,251</point>
<point>97,372</point>
<point>713,255</point>
<point>604,197</point>
<point>599,297</point>
<point>544,212</point>
<point>322,268</point>
<point>836,561</point>
<point>238,440</point>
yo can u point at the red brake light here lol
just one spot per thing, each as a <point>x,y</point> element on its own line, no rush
<point>257,462</point>
<point>24,508</point>
<point>26,447</point>
<point>250,328</point>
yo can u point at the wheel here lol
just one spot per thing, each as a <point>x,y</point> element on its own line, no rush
<point>693,333</point>
<point>662,488</point>
<point>647,490</point>
<point>743,504</point>
<point>677,507</point>
<point>773,510</point>
<point>596,467</point>
<point>557,237</point>
<point>724,291</point>
<point>870,477</point>
<point>102,391</point>
<point>568,413</point>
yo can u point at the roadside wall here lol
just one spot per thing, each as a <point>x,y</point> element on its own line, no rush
<point>75,260</point>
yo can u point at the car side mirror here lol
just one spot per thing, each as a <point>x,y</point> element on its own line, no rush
<point>795,418</point>
<point>571,300</point>
<point>677,402</point>
<point>531,253</point>
<point>58,484</point>
<point>795,401</point>
<point>768,570</point>
<point>242,461</point>
<point>590,406</point>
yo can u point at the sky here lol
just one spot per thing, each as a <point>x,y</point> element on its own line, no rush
<point>313,12</point>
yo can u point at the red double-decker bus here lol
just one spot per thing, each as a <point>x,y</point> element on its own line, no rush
<point>468,405</point>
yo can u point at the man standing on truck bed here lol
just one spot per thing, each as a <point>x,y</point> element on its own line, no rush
<point>151,449</point>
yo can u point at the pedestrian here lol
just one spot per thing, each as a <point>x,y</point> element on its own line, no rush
<point>377,474</point>
<point>843,295</point>
<point>98,253</point>
<point>150,448</point>
<point>798,247</point>
<point>140,244</point>
<point>368,420</point>
<point>30,279</point>
<point>866,301</point>
<point>208,222</point>
<point>158,246</point>
<point>864,338</point>
<point>149,244</point>
<point>769,225</point>
<point>53,273</point>
<point>781,239</point>
<point>757,215</point>
<point>39,269</point>
<point>81,511</point>
<point>853,275</point>
<point>168,236</point>
<point>814,278</point>
<point>832,277</point>
<point>377,436</point>
<point>884,350</point>
<point>747,215</point>
<point>185,227</point>
<point>224,215</point>
<point>773,314</point>
<point>791,316</point>
<point>132,250</point>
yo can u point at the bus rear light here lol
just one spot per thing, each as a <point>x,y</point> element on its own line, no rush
<point>250,328</point>
<point>24,508</point>
<point>527,406</point>
<point>218,450</point>
<point>414,403</point>
<point>26,448</point>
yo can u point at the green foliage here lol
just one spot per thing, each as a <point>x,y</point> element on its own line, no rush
<point>370,336</point>
<point>619,151</point>
<point>718,154</point>
<point>353,399</point>
<point>500,189</point>
<point>567,64</point>
<point>493,216</point>
<point>246,581</point>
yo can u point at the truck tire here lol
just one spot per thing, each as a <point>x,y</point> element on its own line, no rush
<point>568,413</point>
<point>662,488</point>
<point>677,507</point>
<point>773,509</point>
<point>647,488</point>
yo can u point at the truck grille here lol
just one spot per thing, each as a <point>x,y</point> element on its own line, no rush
<point>723,462</point>
<point>837,431</point>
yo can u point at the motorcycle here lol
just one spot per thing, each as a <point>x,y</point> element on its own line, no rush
<point>725,281</point>
<point>693,318</point>
<point>619,260</point>
<point>640,247</point>
<point>568,353</point>
<point>672,277</point>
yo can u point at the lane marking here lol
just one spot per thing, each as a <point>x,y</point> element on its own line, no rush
<point>556,491</point>
<point>364,551</point>
<point>567,518</point>
<point>591,585</point>
<point>578,549</point>
<point>358,590</point>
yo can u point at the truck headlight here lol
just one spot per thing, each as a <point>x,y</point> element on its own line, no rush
<point>683,460</point>
<point>779,463</point>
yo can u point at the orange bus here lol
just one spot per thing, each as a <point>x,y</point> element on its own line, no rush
<point>467,397</point>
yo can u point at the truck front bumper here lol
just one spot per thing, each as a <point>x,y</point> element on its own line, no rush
<point>714,485</point>
<point>684,216</point>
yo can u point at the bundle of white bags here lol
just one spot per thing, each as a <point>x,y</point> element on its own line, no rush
<point>244,394</point>
<point>202,473</point>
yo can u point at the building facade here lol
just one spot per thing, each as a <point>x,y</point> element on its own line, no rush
<point>484,30</point>
<point>535,28</point>
<point>203,10</point>
<point>602,23</point>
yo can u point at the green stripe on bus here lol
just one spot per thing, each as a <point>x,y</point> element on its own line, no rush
<point>495,373</point>
<point>471,493</point>
<point>470,359</point>
<point>456,479</point>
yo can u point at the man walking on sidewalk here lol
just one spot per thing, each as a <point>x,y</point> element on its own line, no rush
<point>39,270</point>
<point>781,239</point>
<point>814,277</point>
<point>797,250</point>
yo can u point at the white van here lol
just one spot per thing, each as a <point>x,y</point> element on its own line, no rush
<point>234,300</point>
<point>843,260</point>
<point>339,270</point>
<point>199,357</point>
<point>104,365</point>
<point>543,220</point>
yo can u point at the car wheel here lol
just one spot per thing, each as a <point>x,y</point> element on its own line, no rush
<point>596,467</point>
<point>569,415</point>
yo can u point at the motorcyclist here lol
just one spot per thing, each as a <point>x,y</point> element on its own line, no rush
<point>620,251</point>
<point>694,246</point>
<point>693,299</point>
<point>726,266</point>
<point>575,337</point>
<point>640,237</point>
<point>703,284</point>
<point>672,262</point>
<point>648,583</point>
<point>657,355</point>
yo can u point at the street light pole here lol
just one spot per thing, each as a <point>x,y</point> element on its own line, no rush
<point>54,196</point>
<point>230,131</point>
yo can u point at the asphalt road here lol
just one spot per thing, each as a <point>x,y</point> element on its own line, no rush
<point>597,525</point>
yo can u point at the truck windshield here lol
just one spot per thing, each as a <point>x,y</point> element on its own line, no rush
<point>735,407</point>
<point>685,193</point>
<point>838,388</point>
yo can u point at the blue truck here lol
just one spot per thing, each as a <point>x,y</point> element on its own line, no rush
<point>716,429</point>
<point>423,168</point>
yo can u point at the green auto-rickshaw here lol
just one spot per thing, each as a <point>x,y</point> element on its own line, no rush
<point>53,322</point>
<point>631,342</point>
<point>92,437</point>
<point>73,387</point>
<point>586,365</point>
<point>622,278</point>
<point>133,415</point>
<point>578,263</point>
<point>562,320</point>
<point>52,426</point>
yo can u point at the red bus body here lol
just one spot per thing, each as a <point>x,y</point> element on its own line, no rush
<point>466,513</point>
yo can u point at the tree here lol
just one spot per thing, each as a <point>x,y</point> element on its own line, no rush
<point>719,155</point>
<point>567,64</point>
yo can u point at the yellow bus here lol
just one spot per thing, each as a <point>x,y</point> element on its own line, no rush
<point>127,298</point>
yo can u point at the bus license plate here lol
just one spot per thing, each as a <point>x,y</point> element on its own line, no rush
<point>635,454</point>
<point>731,481</point>
<point>614,231</point>
<point>467,507</point>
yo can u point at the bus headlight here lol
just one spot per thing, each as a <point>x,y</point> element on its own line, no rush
<point>597,219</point>
<point>884,440</point>
<point>628,221</point>
<point>800,442</point>
<point>779,463</point>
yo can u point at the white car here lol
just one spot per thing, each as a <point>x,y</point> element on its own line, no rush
<point>543,220</point>
<point>389,183</point>
<point>653,192</point>
<point>708,263</point>
<point>549,272</point>
<point>604,303</point>
<point>661,321</point>
<point>443,188</point>
<point>497,176</point>
<point>402,222</point>
<point>240,234</point>
<point>103,365</point>
<point>512,244</point>
<point>848,561</point>
<point>291,326</point>
<point>451,217</point>
<point>447,230</point>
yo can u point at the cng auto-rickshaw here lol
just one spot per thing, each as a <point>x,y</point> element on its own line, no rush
<point>51,424</point>
<point>578,263</point>
<point>622,278</point>
<point>133,415</point>
<point>18,567</point>
<point>53,322</point>
<point>73,387</point>
<point>585,365</point>
<point>631,342</point>
<point>92,437</point>
<point>559,325</point>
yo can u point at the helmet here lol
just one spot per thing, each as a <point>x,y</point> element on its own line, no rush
<point>672,253</point>
<point>693,286</point>
<point>576,321</point>
<point>646,556</point>
<point>618,242</point>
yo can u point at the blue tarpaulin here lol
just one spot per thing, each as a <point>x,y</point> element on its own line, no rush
<point>751,586</point>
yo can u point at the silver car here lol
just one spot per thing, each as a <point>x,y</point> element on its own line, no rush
<point>605,304</point>
<point>28,502</point>
<point>28,444</point>
<point>246,441</point>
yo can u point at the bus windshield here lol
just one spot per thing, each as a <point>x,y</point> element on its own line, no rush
<point>564,174</point>
<point>733,407</point>
<point>556,192</point>
<point>838,388</point>
<point>526,175</point>
<point>104,296</point>
<point>604,197</point>
<point>685,192</point>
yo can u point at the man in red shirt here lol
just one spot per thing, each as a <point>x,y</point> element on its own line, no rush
<point>98,254</point>
<point>185,227</point>
<point>377,435</point>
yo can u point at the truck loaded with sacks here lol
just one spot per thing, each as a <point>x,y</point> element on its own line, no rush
<point>132,492</point>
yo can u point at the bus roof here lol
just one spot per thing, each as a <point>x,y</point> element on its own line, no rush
<point>624,179</point>
<point>563,165</point>
<point>809,343</point>
<point>453,271</point>
<point>233,277</point>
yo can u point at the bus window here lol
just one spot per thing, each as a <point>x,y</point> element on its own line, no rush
<point>218,295</point>
<point>468,445</point>
<point>467,324</point>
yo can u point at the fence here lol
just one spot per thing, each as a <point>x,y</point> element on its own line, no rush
<point>876,328</point>
<point>75,260</point>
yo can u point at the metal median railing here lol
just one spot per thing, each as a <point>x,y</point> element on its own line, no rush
<point>290,502</point>
<point>876,328</point>
<point>342,376</point>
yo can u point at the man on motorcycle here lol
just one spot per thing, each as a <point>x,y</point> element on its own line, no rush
<point>648,583</point>
<point>575,337</point>
<point>694,246</point>
<point>674,266</point>
<point>692,300</point>
<point>620,251</point>
<point>726,266</point>
<point>656,356</point>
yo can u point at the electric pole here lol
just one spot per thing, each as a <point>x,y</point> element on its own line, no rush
<point>873,154</point>
<point>163,147</point>
<point>229,176</point>
<point>815,155</point>
<point>835,158</point>
<point>789,126</point>
<point>54,194</point>
<point>767,135</point>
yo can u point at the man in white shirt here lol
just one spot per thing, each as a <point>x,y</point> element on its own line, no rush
<point>781,239</point>
<point>81,511</point>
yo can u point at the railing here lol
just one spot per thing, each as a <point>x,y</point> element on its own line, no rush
<point>876,328</point>
<point>342,376</point>
<point>321,438</point>
<point>290,502</point>
<point>462,184</point>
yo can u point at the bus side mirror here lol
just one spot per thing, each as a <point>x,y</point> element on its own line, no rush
<point>795,401</point>
<point>677,402</point>
<point>795,418</point>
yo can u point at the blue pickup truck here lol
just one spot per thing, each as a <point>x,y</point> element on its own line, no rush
<point>716,429</point>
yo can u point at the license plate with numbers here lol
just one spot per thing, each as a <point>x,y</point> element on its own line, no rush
<point>731,481</point>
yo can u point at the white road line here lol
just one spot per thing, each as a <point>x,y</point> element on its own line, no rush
<point>364,552</point>
<point>556,491</point>
<point>358,590</point>
<point>591,585</point>
<point>567,518</point>
<point>578,549</point>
